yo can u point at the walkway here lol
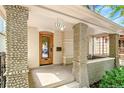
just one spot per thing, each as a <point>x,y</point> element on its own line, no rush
<point>121,59</point>
<point>50,76</point>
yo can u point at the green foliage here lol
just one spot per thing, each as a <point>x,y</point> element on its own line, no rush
<point>113,79</point>
<point>115,9</point>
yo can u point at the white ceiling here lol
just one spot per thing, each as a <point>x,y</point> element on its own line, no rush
<point>45,20</point>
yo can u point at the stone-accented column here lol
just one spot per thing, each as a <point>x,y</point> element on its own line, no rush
<point>80,54</point>
<point>113,47</point>
<point>16,43</point>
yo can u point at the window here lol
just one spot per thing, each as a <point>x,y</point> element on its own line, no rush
<point>121,46</point>
<point>102,46</point>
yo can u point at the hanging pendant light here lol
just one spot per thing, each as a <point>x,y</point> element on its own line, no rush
<point>60,24</point>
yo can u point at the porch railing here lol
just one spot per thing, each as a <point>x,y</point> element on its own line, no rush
<point>2,69</point>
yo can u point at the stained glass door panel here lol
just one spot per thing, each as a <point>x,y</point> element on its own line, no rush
<point>46,47</point>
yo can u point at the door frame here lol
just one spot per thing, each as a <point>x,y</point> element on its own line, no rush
<point>45,33</point>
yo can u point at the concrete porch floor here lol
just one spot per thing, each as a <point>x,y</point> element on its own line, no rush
<point>50,76</point>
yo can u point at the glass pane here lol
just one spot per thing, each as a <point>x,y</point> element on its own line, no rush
<point>45,47</point>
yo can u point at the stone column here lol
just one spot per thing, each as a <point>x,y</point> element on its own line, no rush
<point>80,54</point>
<point>113,47</point>
<point>16,43</point>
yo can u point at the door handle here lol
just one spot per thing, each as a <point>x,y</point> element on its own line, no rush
<point>45,58</point>
<point>51,49</point>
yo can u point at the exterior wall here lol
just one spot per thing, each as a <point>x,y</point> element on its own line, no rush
<point>68,47</point>
<point>90,45</point>
<point>57,55</point>
<point>2,43</point>
<point>33,47</point>
<point>97,68</point>
<point>95,46</point>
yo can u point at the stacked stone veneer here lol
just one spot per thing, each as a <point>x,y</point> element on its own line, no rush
<point>80,54</point>
<point>113,47</point>
<point>16,37</point>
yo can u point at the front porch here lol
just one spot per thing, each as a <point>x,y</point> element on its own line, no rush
<point>74,45</point>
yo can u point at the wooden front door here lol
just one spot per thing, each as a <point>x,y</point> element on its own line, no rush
<point>46,48</point>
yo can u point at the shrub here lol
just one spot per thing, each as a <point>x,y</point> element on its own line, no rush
<point>113,78</point>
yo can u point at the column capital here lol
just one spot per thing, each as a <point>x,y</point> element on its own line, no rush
<point>18,8</point>
<point>114,34</point>
<point>78,25</point>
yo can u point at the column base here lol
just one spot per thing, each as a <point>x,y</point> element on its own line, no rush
<point>81,74</point>
<point>17,81</point>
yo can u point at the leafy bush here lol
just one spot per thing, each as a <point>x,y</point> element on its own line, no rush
<point>113,78</point>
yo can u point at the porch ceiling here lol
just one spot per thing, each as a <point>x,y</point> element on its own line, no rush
<point>45,17</point>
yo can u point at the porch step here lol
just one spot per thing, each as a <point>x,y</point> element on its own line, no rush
<point>70,85</point>
<point>58,84</point>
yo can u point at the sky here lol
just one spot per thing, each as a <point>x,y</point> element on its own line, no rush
<point>105,12</point>
<point>1,24</point>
